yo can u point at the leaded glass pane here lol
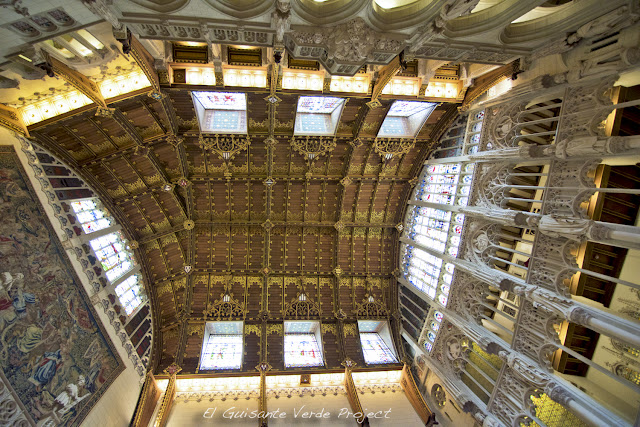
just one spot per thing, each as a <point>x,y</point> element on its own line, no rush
<point>375,350</point>
<point>128,293</point>
<point>301,350</point>
<point>222,352</point>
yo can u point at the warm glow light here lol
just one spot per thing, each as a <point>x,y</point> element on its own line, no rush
<point>63,103</point>
<point>356,84</point>
<point>409,86</point>
<point>245,77</point>
<point>121,85</point>
<point>442,90</point>
<point>302,80</point>
<point>377,377</point>
<point>216,384</point>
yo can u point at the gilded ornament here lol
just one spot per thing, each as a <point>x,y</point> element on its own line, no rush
<point>227,146</point>
<point>389,147</point>
<point>349,330</point>
<point>312,147</point>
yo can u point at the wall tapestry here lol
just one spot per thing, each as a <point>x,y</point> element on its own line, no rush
<point>54,351</point>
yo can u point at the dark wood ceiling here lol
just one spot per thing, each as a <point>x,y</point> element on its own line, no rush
<point>265,247</point>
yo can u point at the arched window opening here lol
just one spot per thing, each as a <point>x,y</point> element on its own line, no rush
<point>90,216</point>
<point>112,253</point>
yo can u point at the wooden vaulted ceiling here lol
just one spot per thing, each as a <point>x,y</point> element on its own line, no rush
<point>262,245</point>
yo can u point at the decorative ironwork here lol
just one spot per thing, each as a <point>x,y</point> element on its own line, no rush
<point>227,146</point>
<point>389,147</point>
<point>312,147</point>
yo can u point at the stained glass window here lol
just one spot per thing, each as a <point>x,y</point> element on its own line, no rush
<point>439,230</point>
<point>112,254</point>
<point>474,131</point>
<point>318,115</point>
<point>301,350</point>
<point>129,294</point>
<point>90,216</point>
<point>405,119</point>
<point>221,112</point>
<point>222,347</point>
<point>375,350</point>
<point>222,100</point>
<point>432,326</point>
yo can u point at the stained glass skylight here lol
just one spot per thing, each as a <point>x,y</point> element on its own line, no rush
<point>375,350</point>
<point>318,115</point>
<point>222,347</point>
<point>221,112</point>
<point>377,345</point>
<point>302,344</point>
<point>405,119</point>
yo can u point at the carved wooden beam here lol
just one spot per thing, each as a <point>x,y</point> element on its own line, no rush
<point>263,367</point>
<point>149,396</point>
<point>414,395</point>
<point>11,119</point>
<point>488,80</point>
<point>126,125</point>
<point>78,80</point>
<point>352,391</point>
<point>169,396</point>
<point>145,62</point>
<point>384,76</point>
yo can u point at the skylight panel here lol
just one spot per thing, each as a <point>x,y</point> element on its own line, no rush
<point>223,346</point>
<point>302,344</point>
<point>405,119</point>
<point>375,350</point>
<point>221,112</point>
<point>318,115</point>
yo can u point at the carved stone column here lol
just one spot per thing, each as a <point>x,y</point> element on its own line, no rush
<point>582,406</point>
<point>582,314</point>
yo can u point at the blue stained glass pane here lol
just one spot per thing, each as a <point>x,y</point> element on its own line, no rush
<point>431,336</point>
<point>438,316</point>
<point>375,350</point>
<point>428,346</point>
